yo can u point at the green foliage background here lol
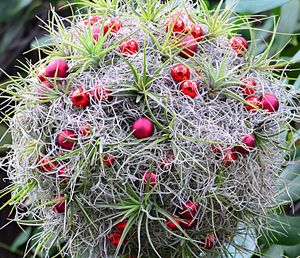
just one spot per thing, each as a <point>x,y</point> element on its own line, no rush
<point>20,30</point>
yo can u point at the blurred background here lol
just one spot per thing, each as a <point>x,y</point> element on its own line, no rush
<point>20,30</point>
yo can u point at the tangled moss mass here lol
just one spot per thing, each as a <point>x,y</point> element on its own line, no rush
<point>148,130</point>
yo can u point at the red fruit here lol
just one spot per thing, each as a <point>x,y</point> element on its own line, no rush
<point>114,238</point>
<point>239,44</point>
<point>180,73</point>
<point>153,179</point>
<point>101,94</point>
<point>142,128</point>
<point>249,86</point>
<point>96,32</point>
<point>176,24</point>
<point>230,157</point>
<point>60,206</point>
<point>254,101</point>
<point>80,98</point>
<point>113,24</point>
<point>269,102</point>
<point>189,210</point>
<point>43,89</point>
<point>129,46</point>
<point>249,141</point>
<point>92,20</point>
<point>188,223</point>
<point>171,225</point>
<point>210,241</point>
<point>109,160</point>
<point>57,68</point>
<point>46,164</point>
<point>189,47</point>
<point>65,138</point>
<point>190,88</point>
<point>216,149</point>
<point>121,225</point>
<point>197,32</point>
<point>41,76</point>
<point>85,131</point>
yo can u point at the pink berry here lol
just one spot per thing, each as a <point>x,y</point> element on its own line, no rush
<point>80,98</point>
<point>250,143</point>
<point>113,24</point>
<point>239,45</point>
<point>197,32</point>
<point>190,88</point>
<point>189,210</point>
<point>150,176</point>
<point>249,86</point>
<point>129,47</point>
<point>60,207</point>
<point>180,72</point>
<point>66,139</point>
<point>189,47</point>
<point>269,102</point>
<point>142,128</point>
<point>57,68</point>
<point>254,101</point>
<point>176,24</point>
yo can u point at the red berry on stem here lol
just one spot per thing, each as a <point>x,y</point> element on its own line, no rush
<point>65,138</point>
<point>180,73</point>
<point>197,32</point>
<point>176,24</point>
<point>80,98</point>
<point>150,176</point>
<point>189,210</point>
<point>239,44</point>
<point>190,88</point>
<point>113,24</point>
<point>57,68</point>
<point>249,142</point>
<point>101,94</point>
<point>171,225</point>
<point>121,225</point>
<point>129,47</point>
<point>269,102</point>
<point>230,157</point>
<point>210,241</point>
<point>109,160</point>
<point>114,238</point>
<point>254,101</point>
<point>60,206</point>
<point>47,165</point>
<point>142,128</point>
<point>189,47</point>
<point>249,86</point>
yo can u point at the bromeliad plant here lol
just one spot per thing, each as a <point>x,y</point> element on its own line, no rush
<point>149,130</point>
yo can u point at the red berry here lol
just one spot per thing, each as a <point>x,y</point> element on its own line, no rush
<point>129,46</point>
<point>101,94</point>
<point>92,20</point>
<point>46,164</point>
<point>189,47</point>
<point>60,206</point>
<point>210,241</point>
<point>230,157</point>
<point>96,32</point>
<point>109,160</point>
<point>65,138</point>
<point>188,223</point>
<point>189,210</point>
<point>176,24</point>
<point>80,98</point>
<point>57,68</point>
<point>190,88</point>
<point>269,102</point>
<point>180,73</point>
<point>216,149</point>
<point>239,45</point>
<point>249,86</point>
<point>113,24</point>
<point>254,101</point>
<point>114,238</point>
<point>41,76</point>
<point>153,179</point>
<point>121,225</point>
<point>171,225</point>
<point>85,131</point>
<point>142,128</point>
<point>197,32</point>
<point>250,143</point>
<point>44,88</point>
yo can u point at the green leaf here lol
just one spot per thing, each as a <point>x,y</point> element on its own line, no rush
<point>282,230</point>
<point>21,239</point>
<point>297,84</point>
<point>42,42</point>
<point>245,238</point>
<point>11,8</point>
<point>275,251</point>
<point>5,137</point>
<point>254,6</point>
